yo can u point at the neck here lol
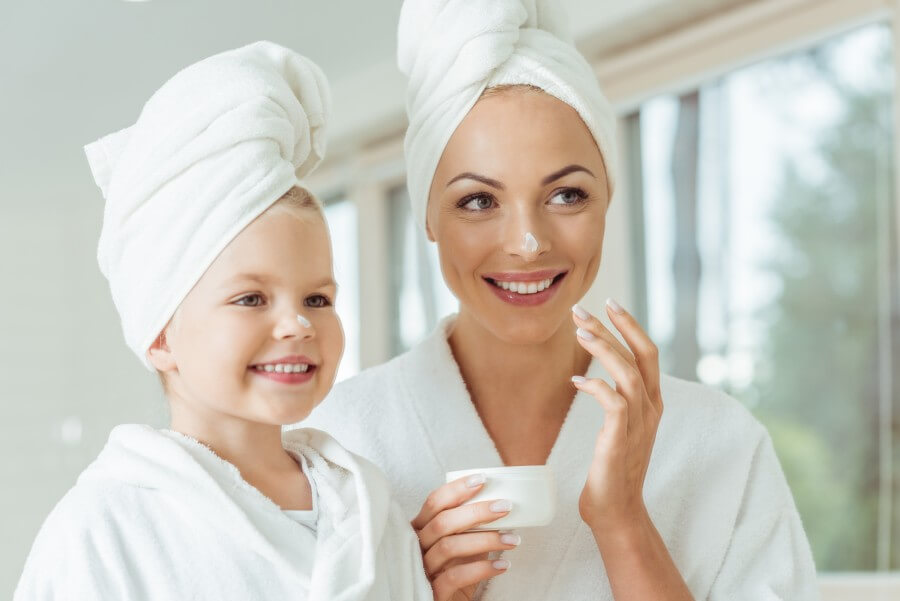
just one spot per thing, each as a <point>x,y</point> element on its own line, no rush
<point>254,448</point>
<point>493,368</point>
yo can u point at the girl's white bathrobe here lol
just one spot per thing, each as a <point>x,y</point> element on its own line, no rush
<point>160,516</point>
<point>714,489</point>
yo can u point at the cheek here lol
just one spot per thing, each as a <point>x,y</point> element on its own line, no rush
<point>582,242</point>
<point>334,343</point>
<point>221,340</point>
<point>464,247</point>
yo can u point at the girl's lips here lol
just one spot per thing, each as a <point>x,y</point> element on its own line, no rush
<point>287,378</point>
<point>528,300</point>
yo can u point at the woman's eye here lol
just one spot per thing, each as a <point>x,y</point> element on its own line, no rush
<point>317,301</point>
<point>568,196</point>
<point>252,300</point>
<point>481,202</point>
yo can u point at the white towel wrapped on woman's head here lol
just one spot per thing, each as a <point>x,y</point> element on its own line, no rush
<point>212,149</point>
<point>452,50</point>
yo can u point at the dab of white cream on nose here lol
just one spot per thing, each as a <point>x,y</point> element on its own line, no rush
<point>530,243</point>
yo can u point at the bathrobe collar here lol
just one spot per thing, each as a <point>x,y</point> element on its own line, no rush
<point>336,563</point>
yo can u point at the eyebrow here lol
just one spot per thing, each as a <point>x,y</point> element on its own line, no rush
<point>262,279</point>
<point>478,178</point>
<point>498,185</point>
<point>565,171</point>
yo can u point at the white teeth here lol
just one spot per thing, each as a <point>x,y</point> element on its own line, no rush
<point>525,287</point>
<point>284,368</point>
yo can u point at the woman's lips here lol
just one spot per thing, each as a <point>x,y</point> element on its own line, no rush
<point>514,297</point>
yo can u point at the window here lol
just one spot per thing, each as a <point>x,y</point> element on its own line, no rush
<point>765,217</point>
<point>420,295</point>
<point>341,217</point>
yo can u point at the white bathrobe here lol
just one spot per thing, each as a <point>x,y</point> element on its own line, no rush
<point>158,516</point>
<point>714,489</point>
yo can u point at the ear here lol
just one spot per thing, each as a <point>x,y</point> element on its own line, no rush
<point>160,355</point>
<point>428,230</point>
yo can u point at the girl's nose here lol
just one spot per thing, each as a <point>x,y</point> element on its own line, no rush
<point>294,325</point>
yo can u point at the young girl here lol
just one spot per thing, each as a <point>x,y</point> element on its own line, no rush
<point>220,268</point>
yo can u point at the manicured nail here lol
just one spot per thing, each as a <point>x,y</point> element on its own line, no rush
<point>501,506</point>
<point>578,379</point>
<point>510,539</point>
<point>501,564</point>
<point>475,480</point>
<point>580,312</point>
<point>582,333</point>
<point>616,307</point>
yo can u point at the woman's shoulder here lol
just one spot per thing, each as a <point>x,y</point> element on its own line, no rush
<point>695,407</point>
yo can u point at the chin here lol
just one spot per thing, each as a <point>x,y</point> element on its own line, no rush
<point>513,329</point>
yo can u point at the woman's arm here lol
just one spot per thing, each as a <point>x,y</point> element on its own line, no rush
<point>635,557</point>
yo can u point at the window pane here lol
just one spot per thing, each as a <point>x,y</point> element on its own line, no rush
<point>341,216</point>
<point>768,234</point>
<point>421,298</point>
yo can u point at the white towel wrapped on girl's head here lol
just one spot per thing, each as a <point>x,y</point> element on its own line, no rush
<point>212,149</point>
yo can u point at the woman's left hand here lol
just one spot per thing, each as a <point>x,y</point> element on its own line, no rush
<point>613,494</point>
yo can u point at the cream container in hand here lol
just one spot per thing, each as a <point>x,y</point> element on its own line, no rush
<point>530,488</point>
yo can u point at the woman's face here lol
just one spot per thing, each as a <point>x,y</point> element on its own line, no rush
<point>521,162</point>
<point>242,316</point>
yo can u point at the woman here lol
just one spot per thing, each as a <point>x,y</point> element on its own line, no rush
<point>511,168</point>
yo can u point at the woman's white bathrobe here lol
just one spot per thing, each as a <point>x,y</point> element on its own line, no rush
<point>160,516</point>
<point>714,489</point>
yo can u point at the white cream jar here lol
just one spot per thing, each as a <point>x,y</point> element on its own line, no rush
<point>530,488</point>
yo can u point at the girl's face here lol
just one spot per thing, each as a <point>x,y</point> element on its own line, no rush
<point>242,315</point>
<point>521,162</point>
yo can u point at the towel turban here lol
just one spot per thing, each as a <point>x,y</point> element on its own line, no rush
<point>452,50</point>
<point>212,149</point>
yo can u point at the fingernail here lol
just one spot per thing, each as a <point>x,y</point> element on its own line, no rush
<point>501,564</point>
<point>510,539</point>
<point>475,480</point>
<point>501,506</point>
<point>579,379</point>
<point>616,307</point>
<point>582,333</point>
<point>580,312</point>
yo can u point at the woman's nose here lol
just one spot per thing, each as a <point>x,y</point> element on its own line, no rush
<point>524,237</point>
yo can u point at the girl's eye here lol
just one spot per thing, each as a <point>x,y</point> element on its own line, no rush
<point>568,197</point>
<point>478,202</point>
<point>253,300</point>
<point>317,301</point>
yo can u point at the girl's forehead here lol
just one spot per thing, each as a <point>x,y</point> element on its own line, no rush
<point>276,247</point>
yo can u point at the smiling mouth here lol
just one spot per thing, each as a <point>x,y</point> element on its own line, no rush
<point>526,288</point>
<point>284,368</point>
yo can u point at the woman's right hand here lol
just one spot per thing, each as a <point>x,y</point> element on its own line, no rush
<point>456,560</point>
